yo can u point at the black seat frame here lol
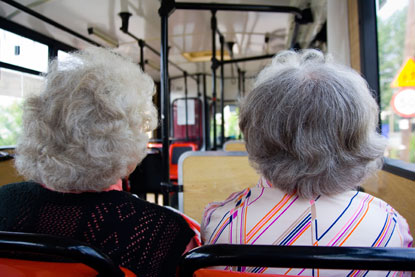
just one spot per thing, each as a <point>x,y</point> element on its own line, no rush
<point>14,245</point>
<point>364,258</point>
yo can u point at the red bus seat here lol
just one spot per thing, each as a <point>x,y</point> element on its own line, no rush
<point>176,149</point>
<point>26,268</point>
<point>39,255</point>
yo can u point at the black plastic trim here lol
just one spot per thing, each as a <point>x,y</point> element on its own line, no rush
<point>238,7</point>
<point>13,27</point>
<point>369,47</point>
<point>367,258</point>
<point>49,21</point>
<point>24,245</point>
<point>19,68</point>
<point>399,168</point>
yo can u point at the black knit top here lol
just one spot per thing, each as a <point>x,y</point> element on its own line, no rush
<point>143,237</point>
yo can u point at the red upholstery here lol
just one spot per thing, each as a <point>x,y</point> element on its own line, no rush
<point>25,268</point>
<point>173,159</point>
<point>154,145</point>
<point>203,272</point>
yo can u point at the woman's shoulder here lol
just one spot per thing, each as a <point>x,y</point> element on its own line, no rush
<point>373,211</point>
<point>19,185</point>
<point>18,189</point>
<point>356,198</point>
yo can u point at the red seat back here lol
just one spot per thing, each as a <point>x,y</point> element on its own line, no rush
<point>26,268</point>
<point>39,255</point>
<point>176,149</point>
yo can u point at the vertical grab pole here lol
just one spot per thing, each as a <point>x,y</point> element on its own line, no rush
<point>239,90</point>
<point>205,116</point>
<point>141,45</point>
<point>222,92</point>
<point>243,82</point>
<point>239,83</point>
<point>213,25</point>
<point>199,94</point>
<point>166,8</point>
<point>185,105</point>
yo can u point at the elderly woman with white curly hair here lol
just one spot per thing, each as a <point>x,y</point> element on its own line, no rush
<point>82,134</point>
<point>310,130</point>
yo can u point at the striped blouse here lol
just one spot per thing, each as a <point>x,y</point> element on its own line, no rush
<point>266,215</point>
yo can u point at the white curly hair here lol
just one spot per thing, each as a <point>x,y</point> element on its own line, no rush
<point>310,125</point>
<point>88,126</point>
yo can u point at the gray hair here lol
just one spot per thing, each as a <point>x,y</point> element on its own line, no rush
<point>310,125</point>
<point>89,124</point>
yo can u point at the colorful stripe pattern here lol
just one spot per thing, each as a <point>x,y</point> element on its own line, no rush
<point>265,215</point>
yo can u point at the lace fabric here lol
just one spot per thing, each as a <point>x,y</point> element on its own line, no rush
<point>143,237</point>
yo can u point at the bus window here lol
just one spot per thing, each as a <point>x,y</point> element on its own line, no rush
<point>231,113</point>
<point>396,45</point>
<point>62,55</point>
<point>23,52</point>
<point>232,132</point>
<point>14,86</point>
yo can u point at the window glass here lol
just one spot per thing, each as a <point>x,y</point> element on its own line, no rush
<point>231,113</point>
<point>24,52</point>
<point>62,55</point>
<point>14,87</point>
<point>232,131</point>
<point>396,42</point>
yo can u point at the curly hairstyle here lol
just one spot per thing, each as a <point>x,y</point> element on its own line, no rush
<point>310,125</point>
<point>88,126</point>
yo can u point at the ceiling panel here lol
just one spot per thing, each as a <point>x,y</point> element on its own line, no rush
<point>189,30</point>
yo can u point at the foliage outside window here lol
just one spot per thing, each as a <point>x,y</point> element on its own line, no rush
<point>232,131</point>
<point>231,113</point>
<point>396,42</point>
<point>14,86</point>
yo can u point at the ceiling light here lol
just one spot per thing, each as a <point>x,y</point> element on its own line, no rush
<point>204,56</point>
<point>100,34</point>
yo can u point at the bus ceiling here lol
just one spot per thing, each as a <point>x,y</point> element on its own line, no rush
<point>251,33</point>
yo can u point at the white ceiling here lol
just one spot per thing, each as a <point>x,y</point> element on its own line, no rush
<point>189,30</point>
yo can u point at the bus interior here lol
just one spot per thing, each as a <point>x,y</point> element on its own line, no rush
<point>204,58</point>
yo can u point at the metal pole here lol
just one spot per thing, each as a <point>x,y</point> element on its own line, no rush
<point>198,85</point>
<point>239,83</point>
<point>53,52</point>
<point>213,25</point>
<point>141,44</point>
<point>222,92</point>
<point>237,7</point>
<point>243,82</point>
<point>124,27</point>
<point>157,53</point>
<point>199,94</point>
<point>185,106</point>
<point>247,59</point>
<point>295,33</point>
<point>205,116</point>
<point>164,13</point>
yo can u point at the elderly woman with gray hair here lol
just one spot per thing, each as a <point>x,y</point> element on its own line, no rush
<point>310,131</point>
<point>84,132</point>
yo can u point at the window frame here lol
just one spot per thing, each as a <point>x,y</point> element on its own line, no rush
<point>53,47</point>
<point>370,70</point>
<point>52,44</point>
